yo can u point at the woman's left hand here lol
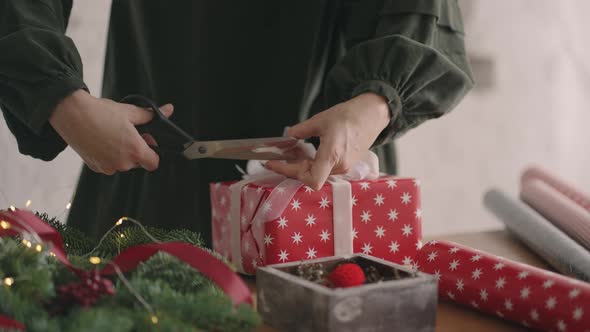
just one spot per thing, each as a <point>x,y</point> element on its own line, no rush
<point>346,132</point>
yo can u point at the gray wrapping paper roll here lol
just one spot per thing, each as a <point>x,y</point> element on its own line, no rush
<point>558,249</point>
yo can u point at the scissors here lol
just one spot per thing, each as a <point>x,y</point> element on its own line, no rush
<point>171,138</point>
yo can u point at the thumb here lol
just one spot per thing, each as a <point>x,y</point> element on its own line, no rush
<point>305,129</point>
<point>139,116</point>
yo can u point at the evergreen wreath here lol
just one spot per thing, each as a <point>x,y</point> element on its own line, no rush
<point>40,292</point>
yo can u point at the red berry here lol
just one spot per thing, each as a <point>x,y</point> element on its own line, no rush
<point>347,275</point>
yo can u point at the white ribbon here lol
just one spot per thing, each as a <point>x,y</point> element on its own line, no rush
<point>283,192</point>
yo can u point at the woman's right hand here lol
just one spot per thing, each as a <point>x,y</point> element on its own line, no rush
<point>103,132</point>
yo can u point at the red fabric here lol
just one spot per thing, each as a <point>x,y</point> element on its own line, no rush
<point>522,293</point>
<point>386,217</point>
<point>7,323</point>
<point>201,260</point>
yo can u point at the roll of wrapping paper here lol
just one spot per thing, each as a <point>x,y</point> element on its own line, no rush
<point>522,293</point>
<point>576,195</point>
<point>560,210</point>
<point>558,249</point>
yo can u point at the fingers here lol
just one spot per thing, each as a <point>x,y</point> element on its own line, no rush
<point>321,167</point>
<point>305,129</point>
<point>139,116</point>
<point>294,170</point>
<point>147,158</point>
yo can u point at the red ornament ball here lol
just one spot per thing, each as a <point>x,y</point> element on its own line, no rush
<point>347,275</point>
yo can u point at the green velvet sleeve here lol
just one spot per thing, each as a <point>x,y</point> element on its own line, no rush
<point>39,66</point>
<point>412,53</point>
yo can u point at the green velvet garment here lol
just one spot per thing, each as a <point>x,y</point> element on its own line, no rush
<point>233,69</point>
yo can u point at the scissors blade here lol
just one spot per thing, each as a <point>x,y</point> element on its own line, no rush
<point>272,148</point>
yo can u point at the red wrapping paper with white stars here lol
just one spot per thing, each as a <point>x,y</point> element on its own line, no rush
<point>528,295</point>
<point>385,219</point>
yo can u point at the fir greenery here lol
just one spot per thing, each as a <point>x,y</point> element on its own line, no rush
<point>182,298</point>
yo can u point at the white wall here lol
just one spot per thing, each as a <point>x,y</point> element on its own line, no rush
<point>536,112</point>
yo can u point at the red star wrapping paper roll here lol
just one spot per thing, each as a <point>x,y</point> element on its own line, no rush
<point>510,290</point>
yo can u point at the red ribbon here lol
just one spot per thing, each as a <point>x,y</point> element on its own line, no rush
<point>22,221</point>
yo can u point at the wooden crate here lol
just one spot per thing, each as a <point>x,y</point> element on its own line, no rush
<point>291,303</point>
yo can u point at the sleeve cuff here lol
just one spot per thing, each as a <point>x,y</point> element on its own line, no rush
<point>388,92</point>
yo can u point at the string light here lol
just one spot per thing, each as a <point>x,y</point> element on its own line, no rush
<point>51,253</point>
<point>28,203</point>
<point>155,319</point>
<point>38,248</point>
<point>69,205</point>
<point>27,243</point>
<point>94,260</point>
<point>4,224</point>
<point>122,235</point>
<point>12,208</point>
<point>120,221</point>
<point>8,281</point>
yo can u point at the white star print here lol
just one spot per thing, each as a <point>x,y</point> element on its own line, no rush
<point>406,198</point>
<point>247,246</point>
<point>311,253</point>
<point>283,222</point>
<point>548,284</point>
<point>476,274</point>
<point>308,189</point>
<point>259,190</point>
<point>407,230</point>
<point>416,182</point>
<point>451,295</point>
<point>437,275</point>
<point>364,185</point>
<point>367,248</point>
<point>251,205</point>
<point>454,264</point>
<point>245,188</point>
<point>407,260</point>
<point>392,215</point>
<point>460,285</point>
<point>379,199</point>
<point>310,220</point>
<point>355,233</point>
<point>499,266</point>
<point>254,263</point>
<point>325,235</point>
<point>475,258</point>
<point>523,275</point>
<point>266,207</point>
<point>244,220</point>
<point>561,325</point>
<point>432,256</point>
<point>508,305</point>
<point>500,283</point>
<point>534,314</point>
<point>419,245</point>
<point>418,213</point>
<point>415,267</point>
<point>283,256</point>
<point>353,200</point>
<point>525,292</point>
<point>433,242</point>
<point>393,247</point>
<point>324,203</point>
<point>366,216</point>
<point>499,313</point>
<point>295,205</point>
<point>574,293</point>
<point>391,184</point>
<point>474,304</point>
<point>379,232</point>
<point>297,238</point>
<point>550,303</point>
<point>483,294</point>
<point>577,313</point>
<point>268,239</point>
<point>453,250</point>
<point>222,201</point>
<point>280,190</point>
<point>216,185</point>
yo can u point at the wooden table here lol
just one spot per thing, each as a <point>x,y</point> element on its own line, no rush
<point>455,318</point>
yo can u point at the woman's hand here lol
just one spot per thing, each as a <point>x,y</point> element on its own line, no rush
<point>103,132</point>
<point>346,132</point>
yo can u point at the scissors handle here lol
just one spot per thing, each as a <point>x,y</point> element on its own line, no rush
<point>168,135</point>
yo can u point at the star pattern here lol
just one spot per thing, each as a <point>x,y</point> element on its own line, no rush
<point>530,296</point>
<point>385,222</point>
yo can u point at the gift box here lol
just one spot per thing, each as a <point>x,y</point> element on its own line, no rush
<point>268,219</point>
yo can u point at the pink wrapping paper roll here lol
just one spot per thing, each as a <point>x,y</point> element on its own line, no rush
<point>522,293</point>
<point>561,211</point>
<point>579,197</point>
